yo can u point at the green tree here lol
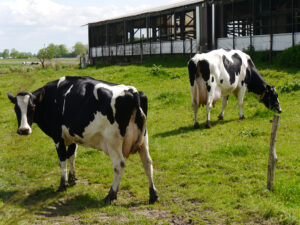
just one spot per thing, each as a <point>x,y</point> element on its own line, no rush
<point>52,51</point>
<point>5,53</point>
<point>79,48</point>
<point>45,53</point>
<point>63,51</point>
<point>14,53</point>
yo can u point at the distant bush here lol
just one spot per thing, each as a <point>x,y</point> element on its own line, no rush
<point>57,66</point>
<point>289,57</point>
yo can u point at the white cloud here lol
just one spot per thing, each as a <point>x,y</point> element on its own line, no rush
<point>29,24</point>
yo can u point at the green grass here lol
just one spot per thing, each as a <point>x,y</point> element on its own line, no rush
<point>203,176</point>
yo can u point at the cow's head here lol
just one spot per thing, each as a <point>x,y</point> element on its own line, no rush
<point>270,99</point>
<point>24,108</point>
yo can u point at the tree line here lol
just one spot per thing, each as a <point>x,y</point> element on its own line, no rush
<point>49,52</point>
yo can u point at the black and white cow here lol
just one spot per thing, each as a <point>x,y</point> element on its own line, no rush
<point>221,72</point>
<point>91,113</point>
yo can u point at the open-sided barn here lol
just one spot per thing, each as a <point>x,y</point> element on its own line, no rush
<point>192,26</point>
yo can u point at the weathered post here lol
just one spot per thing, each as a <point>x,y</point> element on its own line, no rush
<point>272,153</point>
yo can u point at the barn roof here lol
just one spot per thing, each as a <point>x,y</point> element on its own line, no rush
<point>149,11</point>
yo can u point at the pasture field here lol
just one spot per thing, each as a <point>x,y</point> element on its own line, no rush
<point>203,176</point>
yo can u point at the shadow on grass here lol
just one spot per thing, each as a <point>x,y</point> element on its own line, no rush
<point>5,196</point>
<point>50,203</point>
<point>40,196</point>
<point>187,129</point>
<point>71,206</point>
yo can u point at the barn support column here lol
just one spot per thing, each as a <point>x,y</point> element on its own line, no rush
<point>213,27</point>
<point>198,27</point>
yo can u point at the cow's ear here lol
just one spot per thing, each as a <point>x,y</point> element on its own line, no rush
<point>11,98</point>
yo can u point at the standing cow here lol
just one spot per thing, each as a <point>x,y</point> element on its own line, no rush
<point>221,72</point>
<point>91,113</point>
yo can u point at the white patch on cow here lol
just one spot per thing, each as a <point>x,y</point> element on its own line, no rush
<point>68,91</point>
<point>96,135</point>
<point>22,102</point>
<point>62,79</point>
<point>63,166</point>
<point>117,90</point>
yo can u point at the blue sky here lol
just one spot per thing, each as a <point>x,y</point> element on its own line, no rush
<point>28,25</point>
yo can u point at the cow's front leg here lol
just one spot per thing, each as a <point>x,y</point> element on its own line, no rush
<point>240,96</point>
<point>116,156</point>
<point>71,155</point>
<point>147,163</point>
<point>62,155</point>
<point>224,104</point>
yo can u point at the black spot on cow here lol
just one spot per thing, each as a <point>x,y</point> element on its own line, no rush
<point>122,164</point>
<point>192,67</point>
<point>124,108</point>
<point>212,79</point>
<point>234,68</point>
<point>144,105</point>
<point>242,82</point>
<point>208,87</point>
<point>104,98</point>
<point>77,101</point>
<point>204,69</point>
<point>221,81</point>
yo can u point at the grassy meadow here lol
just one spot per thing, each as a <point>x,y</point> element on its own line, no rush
<point>203,176</point>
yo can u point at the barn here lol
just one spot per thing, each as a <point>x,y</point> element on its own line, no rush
<point>191,26</point>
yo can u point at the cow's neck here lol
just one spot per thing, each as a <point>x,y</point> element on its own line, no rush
<point>38,105</point>
<point>255,82</point>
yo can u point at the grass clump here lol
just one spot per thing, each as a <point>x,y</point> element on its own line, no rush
<point>290,87</point>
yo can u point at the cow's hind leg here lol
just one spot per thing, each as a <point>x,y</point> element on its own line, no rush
<point>147,163</point>
<point>116,156</point>
<point>210,95</point>
<point>62,155</point>
<point>195,103</point>
<point>71,155</point>
<point>240,96</point>
<point>195,110</point>
<point>224,104</point>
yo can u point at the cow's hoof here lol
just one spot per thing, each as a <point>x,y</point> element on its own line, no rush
<point>196,125</point>
<point>62,188</point>
<point>153,196</point>
<point>220,117</point>
<point>242,117</point>
<point>112,195</point>
<point>72,179</point>
<point>208,125</point>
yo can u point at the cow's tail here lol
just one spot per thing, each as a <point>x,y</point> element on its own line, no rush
<point>141,120</point>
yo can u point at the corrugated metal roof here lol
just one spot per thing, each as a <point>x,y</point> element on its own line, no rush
<point>152,10</point>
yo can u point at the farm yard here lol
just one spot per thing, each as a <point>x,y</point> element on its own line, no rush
<point>203,176</point>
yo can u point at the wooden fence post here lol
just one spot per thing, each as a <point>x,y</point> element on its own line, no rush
<point>272,153</point>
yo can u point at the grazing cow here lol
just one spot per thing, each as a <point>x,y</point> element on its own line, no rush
<point>91,113</point>
<point>221,72</point>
